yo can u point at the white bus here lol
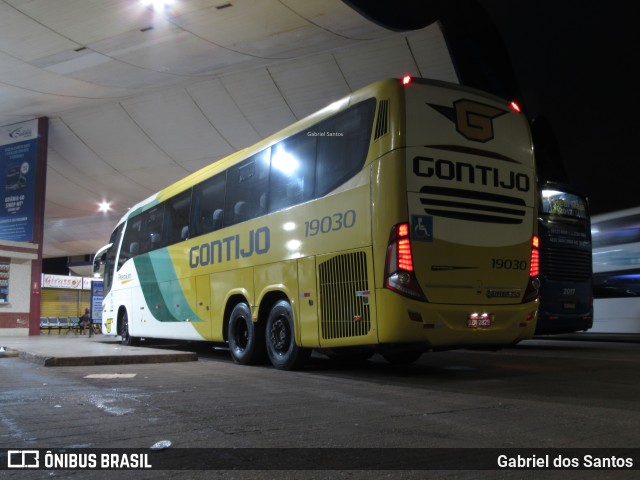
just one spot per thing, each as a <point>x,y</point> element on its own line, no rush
<point>616,271</point>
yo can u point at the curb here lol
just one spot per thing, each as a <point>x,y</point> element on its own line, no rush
<point>8,352</point>
<point>49,361</point>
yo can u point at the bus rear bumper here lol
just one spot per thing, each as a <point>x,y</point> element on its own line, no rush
<point>550,323</point>
<point>401,320</point>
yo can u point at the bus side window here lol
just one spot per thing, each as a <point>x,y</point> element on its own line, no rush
<point>343,149</point>
<point>110,263</point>
<point>217,218</point>
<point>292,171</point>
<point>130,242</point>
<point>152,235</point>
<point>177,218</point>
<point>247,182</point>
<point>208,198</point>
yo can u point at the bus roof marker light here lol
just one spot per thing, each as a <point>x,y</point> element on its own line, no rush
<point>406,80</point>
<point>515,107</point>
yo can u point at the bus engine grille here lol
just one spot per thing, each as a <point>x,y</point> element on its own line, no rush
<point>344,296</point>
<point>557,263</point>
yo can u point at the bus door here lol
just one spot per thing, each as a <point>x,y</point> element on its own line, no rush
<point>308,302</point>
<point>203,299</point>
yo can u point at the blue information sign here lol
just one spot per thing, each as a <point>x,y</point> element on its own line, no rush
<point>97,288</point>
<point>18,162</point>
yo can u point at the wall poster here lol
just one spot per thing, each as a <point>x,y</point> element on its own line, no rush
<point>18,166</point>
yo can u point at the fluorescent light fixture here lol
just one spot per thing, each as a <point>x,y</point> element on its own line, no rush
<point>158,5</point>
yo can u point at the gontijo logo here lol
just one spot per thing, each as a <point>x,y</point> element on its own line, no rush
<point>234,247</point>
<point>473,120</point>
<point>469,173</point>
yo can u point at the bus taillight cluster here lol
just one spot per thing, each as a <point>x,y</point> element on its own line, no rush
<point>399,275</point>
<point>534,268</point>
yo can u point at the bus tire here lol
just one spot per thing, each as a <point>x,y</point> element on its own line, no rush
<point>126,338</point>
<point>246,339</point>
<point>282,350</point>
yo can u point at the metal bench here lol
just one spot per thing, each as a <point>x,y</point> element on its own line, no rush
<point>44,325</point>
<point>75,324</point>
<point>53,324</point>
<point>64,325</point>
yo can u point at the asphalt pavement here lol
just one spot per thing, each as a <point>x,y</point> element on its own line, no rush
<point>331,420</point>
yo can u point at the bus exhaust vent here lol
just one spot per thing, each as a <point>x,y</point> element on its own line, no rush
<point>344,296</point>
<point>473,206</point>
<point>382,123</point>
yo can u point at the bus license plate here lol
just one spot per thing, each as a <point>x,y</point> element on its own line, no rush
<point>479,320</point>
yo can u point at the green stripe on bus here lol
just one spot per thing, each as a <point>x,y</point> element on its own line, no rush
<point>162,292</point>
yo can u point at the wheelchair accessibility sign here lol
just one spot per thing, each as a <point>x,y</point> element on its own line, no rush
<point>422,228</point>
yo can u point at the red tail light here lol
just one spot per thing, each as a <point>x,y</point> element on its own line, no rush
<point>533,286</point>
<point>406,80</point>
<point>399,274</point>
<point>534,268</point>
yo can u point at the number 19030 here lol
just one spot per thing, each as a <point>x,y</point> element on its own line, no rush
<point>330,223</point>
<point>508,264</point>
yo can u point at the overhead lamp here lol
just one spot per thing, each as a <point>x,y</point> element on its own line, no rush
<point>158,5</point>
<point>104,206</point>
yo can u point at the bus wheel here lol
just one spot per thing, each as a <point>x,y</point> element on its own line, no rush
<point>280,339</point>
<point>246,339</point>
<point>126,338</point>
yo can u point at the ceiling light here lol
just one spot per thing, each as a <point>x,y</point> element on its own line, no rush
<point>104,206</point>
<point>158,5</point>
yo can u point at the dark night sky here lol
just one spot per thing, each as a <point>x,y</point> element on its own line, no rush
<point>571,63</point>
<point>576,64</point>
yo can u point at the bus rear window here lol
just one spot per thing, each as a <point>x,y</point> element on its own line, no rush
<point>563,204</point>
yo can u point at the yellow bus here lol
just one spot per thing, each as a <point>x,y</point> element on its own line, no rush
<point>398,220</point>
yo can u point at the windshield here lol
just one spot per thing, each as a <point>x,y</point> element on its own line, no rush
<point>563,204</point>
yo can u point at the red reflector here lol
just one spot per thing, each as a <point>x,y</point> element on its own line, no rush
<point>406,80</point>
<point>514,106</point>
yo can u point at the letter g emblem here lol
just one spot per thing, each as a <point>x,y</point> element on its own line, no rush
<point>474,120</point>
